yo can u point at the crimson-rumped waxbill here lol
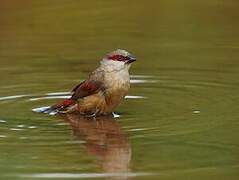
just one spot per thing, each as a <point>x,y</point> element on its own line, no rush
<point>104,89</point>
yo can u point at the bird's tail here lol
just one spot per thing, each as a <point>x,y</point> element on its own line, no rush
<point>61,107</point>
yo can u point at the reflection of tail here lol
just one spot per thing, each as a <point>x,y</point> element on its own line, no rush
<point>61,107</point>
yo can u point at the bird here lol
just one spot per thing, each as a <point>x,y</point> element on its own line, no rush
<point>103,90</point>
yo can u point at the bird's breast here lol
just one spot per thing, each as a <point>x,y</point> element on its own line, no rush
<point>117,80</point>
<point>115,96</point>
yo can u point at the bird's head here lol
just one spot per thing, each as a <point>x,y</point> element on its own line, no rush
<point>119,58</point>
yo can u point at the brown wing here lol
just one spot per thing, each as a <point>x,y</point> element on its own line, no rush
<point>92,85</point>
<point>87,88</point>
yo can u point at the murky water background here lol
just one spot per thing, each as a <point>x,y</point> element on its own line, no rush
<point>180,120</point>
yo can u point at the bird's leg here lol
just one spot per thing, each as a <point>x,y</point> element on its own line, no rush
<point>94,114</point>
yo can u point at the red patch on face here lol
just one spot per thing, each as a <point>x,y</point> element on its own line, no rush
<point>118,58</point>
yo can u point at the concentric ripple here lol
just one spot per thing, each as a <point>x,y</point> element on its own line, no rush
<point>172,113</point>
<point>85,175</point>
<point>64,95</point>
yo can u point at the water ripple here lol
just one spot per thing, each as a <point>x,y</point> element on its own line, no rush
<point>84,175</point>
<point>49,97</point>
<point>2,121</point>
<point>16,129</point>
<point>12,97</point>
<point>136,81</point>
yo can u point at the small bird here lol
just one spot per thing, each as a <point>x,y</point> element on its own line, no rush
<point>104,89</point>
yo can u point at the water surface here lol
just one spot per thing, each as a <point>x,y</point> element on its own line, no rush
<point>180,120</point>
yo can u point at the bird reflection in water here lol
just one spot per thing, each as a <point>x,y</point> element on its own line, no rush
<point>104,139</point>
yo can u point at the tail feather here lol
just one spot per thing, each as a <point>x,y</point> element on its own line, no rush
<point>57,108</point>
<point>63,105</point>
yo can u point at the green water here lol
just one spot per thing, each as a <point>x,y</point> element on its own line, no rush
<point>180,120</point>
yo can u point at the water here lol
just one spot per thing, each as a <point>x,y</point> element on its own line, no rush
<point>180,120</point>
